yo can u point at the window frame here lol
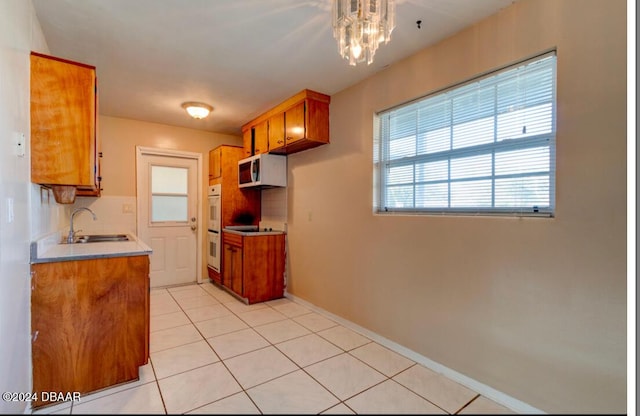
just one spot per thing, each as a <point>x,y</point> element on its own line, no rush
<point>545,140</point>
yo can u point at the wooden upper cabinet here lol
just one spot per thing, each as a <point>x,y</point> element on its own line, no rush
<point>237,204</point>
<point>64,147</point>
<point>276,132</point>
<point>295,123</point>
<point>260,138</point>
<point>299,123</point>
<point>247,142</point>
<point>215,163</point>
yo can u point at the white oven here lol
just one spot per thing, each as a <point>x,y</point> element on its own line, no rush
<point>214,210</point>
<point>213,232</point>
<point>213,250</point>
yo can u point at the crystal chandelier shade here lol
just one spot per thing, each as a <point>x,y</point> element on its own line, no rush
<point>360,26</point>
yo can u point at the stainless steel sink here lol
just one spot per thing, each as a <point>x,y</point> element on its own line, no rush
<point>99,238</point>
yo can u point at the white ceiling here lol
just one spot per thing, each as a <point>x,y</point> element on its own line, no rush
<point>240,56</point>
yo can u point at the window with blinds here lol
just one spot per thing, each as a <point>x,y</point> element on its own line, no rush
<point>483,147</point>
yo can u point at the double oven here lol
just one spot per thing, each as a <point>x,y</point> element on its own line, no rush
<point>214,237</point>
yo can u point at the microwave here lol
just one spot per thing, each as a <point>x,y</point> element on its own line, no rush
<point>262,170</point>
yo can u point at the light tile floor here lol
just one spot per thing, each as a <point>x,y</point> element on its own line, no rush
<point>211,353</point>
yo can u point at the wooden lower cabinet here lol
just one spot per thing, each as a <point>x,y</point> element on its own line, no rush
<point>89,323</point>
<point>254,266</point>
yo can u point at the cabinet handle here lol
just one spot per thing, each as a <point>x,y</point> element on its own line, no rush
<point>100,154</point>
<point>288,138</point>
<point>280,141</point>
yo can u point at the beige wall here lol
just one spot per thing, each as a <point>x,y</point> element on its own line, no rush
<point>119,139</point>
<point>20,33</point>
<point>535,308</point>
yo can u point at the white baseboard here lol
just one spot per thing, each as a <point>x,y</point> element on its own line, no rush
<point>484,390</point>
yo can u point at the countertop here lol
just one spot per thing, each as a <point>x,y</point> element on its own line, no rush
<point>49,249</point>
<point>251,230</point>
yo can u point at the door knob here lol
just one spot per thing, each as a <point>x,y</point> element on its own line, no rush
<point>193,227</point>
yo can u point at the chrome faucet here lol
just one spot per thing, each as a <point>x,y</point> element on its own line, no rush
<point>72,233</point>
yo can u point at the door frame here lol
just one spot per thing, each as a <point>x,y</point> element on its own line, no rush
<point>154,151</point>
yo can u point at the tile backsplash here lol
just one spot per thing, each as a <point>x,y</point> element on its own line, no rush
<point>274,208</point>
<point>114,214</point>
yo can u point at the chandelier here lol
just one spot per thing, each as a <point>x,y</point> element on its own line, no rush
<point>361,25</point>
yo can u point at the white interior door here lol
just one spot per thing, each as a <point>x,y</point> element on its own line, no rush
<point>167,192</point>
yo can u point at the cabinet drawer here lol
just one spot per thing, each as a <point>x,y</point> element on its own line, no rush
<point>233,239</point>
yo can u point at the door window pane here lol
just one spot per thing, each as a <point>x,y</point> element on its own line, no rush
<point>168,208</point>
<point>169,194</point>
<point>168,180</point>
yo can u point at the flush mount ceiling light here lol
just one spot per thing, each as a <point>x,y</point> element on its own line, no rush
<point>361,25</point>
<point>197,110</point>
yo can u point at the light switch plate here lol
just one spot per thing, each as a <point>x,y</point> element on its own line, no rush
<point>20,144</point>
<point>9,210</point>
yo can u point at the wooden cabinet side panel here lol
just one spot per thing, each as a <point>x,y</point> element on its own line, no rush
<point>92,320</point>
<point>63,114</point>
<point>229,157</point>
<point>215,163</point>
<point>317,125</point>
<point>236,202</point>
<point>263,265</point>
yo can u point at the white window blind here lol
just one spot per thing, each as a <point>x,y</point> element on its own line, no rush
<point>484,147</point>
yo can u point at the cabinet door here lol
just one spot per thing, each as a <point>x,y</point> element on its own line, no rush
<point>227,261</point>
<point>91,318</point>
<point>237,283</point>
<point>215,163</point>
<point>63,117</point>
<point>247,142</point>
<point>276,132</point>
<point>232,263</point>
<point>294,120</point>
<point>261,138</point>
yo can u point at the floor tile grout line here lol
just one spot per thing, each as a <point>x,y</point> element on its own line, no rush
<point>126,383</point>
<point>157,382</point>
<point>467,404</point>
<point>419,394</point>
<point>299,368</point>
<point>312,331</point>
<point>222,361</point>
<point>313,378</point>
<point>343,351</point>
<point>387,378</point>
<point>213,350</point>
